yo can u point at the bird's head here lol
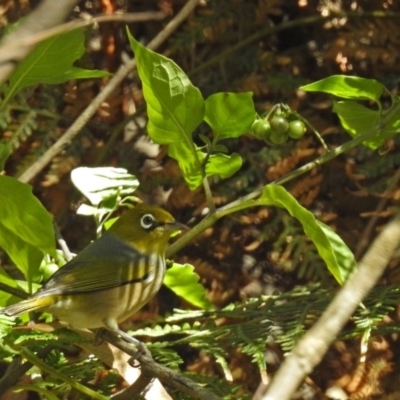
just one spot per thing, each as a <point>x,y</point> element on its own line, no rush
<point>146,227</point>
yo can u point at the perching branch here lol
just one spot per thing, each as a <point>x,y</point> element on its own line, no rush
<point>166,375</point>
<point>134,390</point>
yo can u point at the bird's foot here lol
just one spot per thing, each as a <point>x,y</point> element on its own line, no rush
<point>98,340</point>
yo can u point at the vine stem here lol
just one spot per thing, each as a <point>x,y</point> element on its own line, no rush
<point>248,200</point>
<point>208,193</point>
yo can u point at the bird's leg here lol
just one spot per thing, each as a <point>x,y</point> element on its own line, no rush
<point>98,340</point>
<point>141,347</point>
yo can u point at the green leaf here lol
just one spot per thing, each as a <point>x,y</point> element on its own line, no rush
<point>7,280</point>
<point>343,255</point>
<point>220,148</point>
<point>183,281</point>
<point>357,119</point>
<point>230,114</point>
<point>4,154</point>
<point>348,87</point>
<point>101,183</point>
<point>26,228</point>
<point>337,256</point>
<point>51,62</point>
<point>188,163</point>
<point>26,257</point>
<point>205,139</point>
<point>223,165</point>
<point>174,106</point>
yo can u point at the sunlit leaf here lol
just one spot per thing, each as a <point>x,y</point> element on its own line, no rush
<point>51,62</point>
<point>337,256</point>
<point>348,87</point>
<point>26,228</point>
<point>183,281</point>
<point>223,165</point>
<point>175,108</point>
<point>230,114</point>
<point>358,119</point>
<point>101,183</point>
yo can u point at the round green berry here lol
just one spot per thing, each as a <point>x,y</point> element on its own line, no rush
<point>261,129</point>
<point>278,137</point>
<point>296,129</point>
<point>279,124</point>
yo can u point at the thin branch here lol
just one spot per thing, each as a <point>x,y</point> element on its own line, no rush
<point>84,22</point>
<point>166,375</point>
<point>47,14</point>
<point>245,201</point>
<point>209,197</point>
<point>114,82</point>
<point>14,291</point>
<point>313,346</point>
<point>134,390</point>
<point>62,243</point>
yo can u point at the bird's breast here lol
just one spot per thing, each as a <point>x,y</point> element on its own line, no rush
<point>90,310</point>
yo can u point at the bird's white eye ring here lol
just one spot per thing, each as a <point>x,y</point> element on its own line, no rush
<point>147,221</point>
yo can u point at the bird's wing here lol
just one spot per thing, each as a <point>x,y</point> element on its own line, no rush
<point>107,262</point>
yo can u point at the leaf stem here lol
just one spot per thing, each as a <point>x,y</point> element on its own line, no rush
<point>248,200</point>
<point>207,191</point>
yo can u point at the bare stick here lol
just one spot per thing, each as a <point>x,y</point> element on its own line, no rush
<point>82,23</point>
<point>47,14</point>
<point>123,71</point>
<point>312,347</point>
<point>14,291</point>
<point>134,390</point>
<point>62,243</point>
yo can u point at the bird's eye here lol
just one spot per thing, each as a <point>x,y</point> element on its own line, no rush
<point>147,221</point>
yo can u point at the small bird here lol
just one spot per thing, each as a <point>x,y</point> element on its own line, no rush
<point>112,278</point>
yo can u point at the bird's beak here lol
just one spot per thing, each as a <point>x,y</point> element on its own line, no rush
<point>175,226</point>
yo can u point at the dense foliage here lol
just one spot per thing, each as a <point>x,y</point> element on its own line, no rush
<point>274,119</point>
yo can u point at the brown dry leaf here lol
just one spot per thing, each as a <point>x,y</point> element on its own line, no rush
<point>306,184</point>
<point>288,164</point>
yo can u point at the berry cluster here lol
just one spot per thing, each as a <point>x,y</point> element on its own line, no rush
<point>278,126</point>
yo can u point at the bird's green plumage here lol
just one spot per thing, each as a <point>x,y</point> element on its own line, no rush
<point>112,277</point>
<point>105,263</point>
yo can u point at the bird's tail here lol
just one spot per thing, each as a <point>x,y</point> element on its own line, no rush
<point>28,305</point>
